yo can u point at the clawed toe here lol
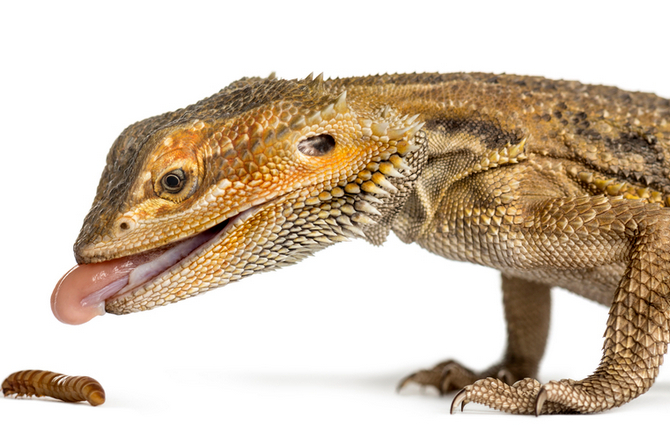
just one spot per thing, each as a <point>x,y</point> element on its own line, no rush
<point>494,388</point>
<point>451,376</point>
<point>458,400</point>
<point>440,377</point>
<point>527,396</point>
<point>410,378</point>
<point>539,401</point>
<point>519,398</point>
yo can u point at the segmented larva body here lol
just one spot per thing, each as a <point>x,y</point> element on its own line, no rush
<point>51,384</point>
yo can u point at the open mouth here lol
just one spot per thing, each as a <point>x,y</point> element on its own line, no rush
<point>157,261</point>
<point>82,292</point>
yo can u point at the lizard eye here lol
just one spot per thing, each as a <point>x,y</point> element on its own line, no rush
<point>177,184</point>
<point>174,181</point>
<point>317,145</point>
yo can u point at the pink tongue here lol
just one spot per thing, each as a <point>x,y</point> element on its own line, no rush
<point>80,294</point>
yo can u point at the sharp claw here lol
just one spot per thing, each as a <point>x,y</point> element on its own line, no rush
<point>539,401</point>
<point>401,385</point>
<point>404,382</point>
<point>458,400</point>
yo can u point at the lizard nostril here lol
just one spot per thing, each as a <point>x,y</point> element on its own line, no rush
<point>125,224</point>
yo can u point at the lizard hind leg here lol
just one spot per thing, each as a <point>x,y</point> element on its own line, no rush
<point>527,311</point>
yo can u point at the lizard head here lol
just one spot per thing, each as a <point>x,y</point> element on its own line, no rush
<point>258,176</point>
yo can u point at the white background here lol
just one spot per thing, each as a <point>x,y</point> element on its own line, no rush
<point>312,353</point>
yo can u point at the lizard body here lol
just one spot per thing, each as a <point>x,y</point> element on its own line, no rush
<point>554,183</point>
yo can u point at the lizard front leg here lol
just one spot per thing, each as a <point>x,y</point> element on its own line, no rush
<point>527,307</point>
<point>638,328</point>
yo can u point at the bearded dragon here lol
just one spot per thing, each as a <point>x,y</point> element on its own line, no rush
<point>554,183</point>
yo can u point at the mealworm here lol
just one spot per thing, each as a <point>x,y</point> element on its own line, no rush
<point>59,386</point>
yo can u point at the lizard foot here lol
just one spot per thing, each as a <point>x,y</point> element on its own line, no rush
<point>452,376</point>
<point>528,396</point>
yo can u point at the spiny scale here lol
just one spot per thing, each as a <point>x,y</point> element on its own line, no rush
<point>599,183</point>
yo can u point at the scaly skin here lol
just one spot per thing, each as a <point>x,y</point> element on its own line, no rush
<point>553,183</point>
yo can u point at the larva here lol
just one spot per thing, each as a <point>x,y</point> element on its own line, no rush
<point>51,384</point>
